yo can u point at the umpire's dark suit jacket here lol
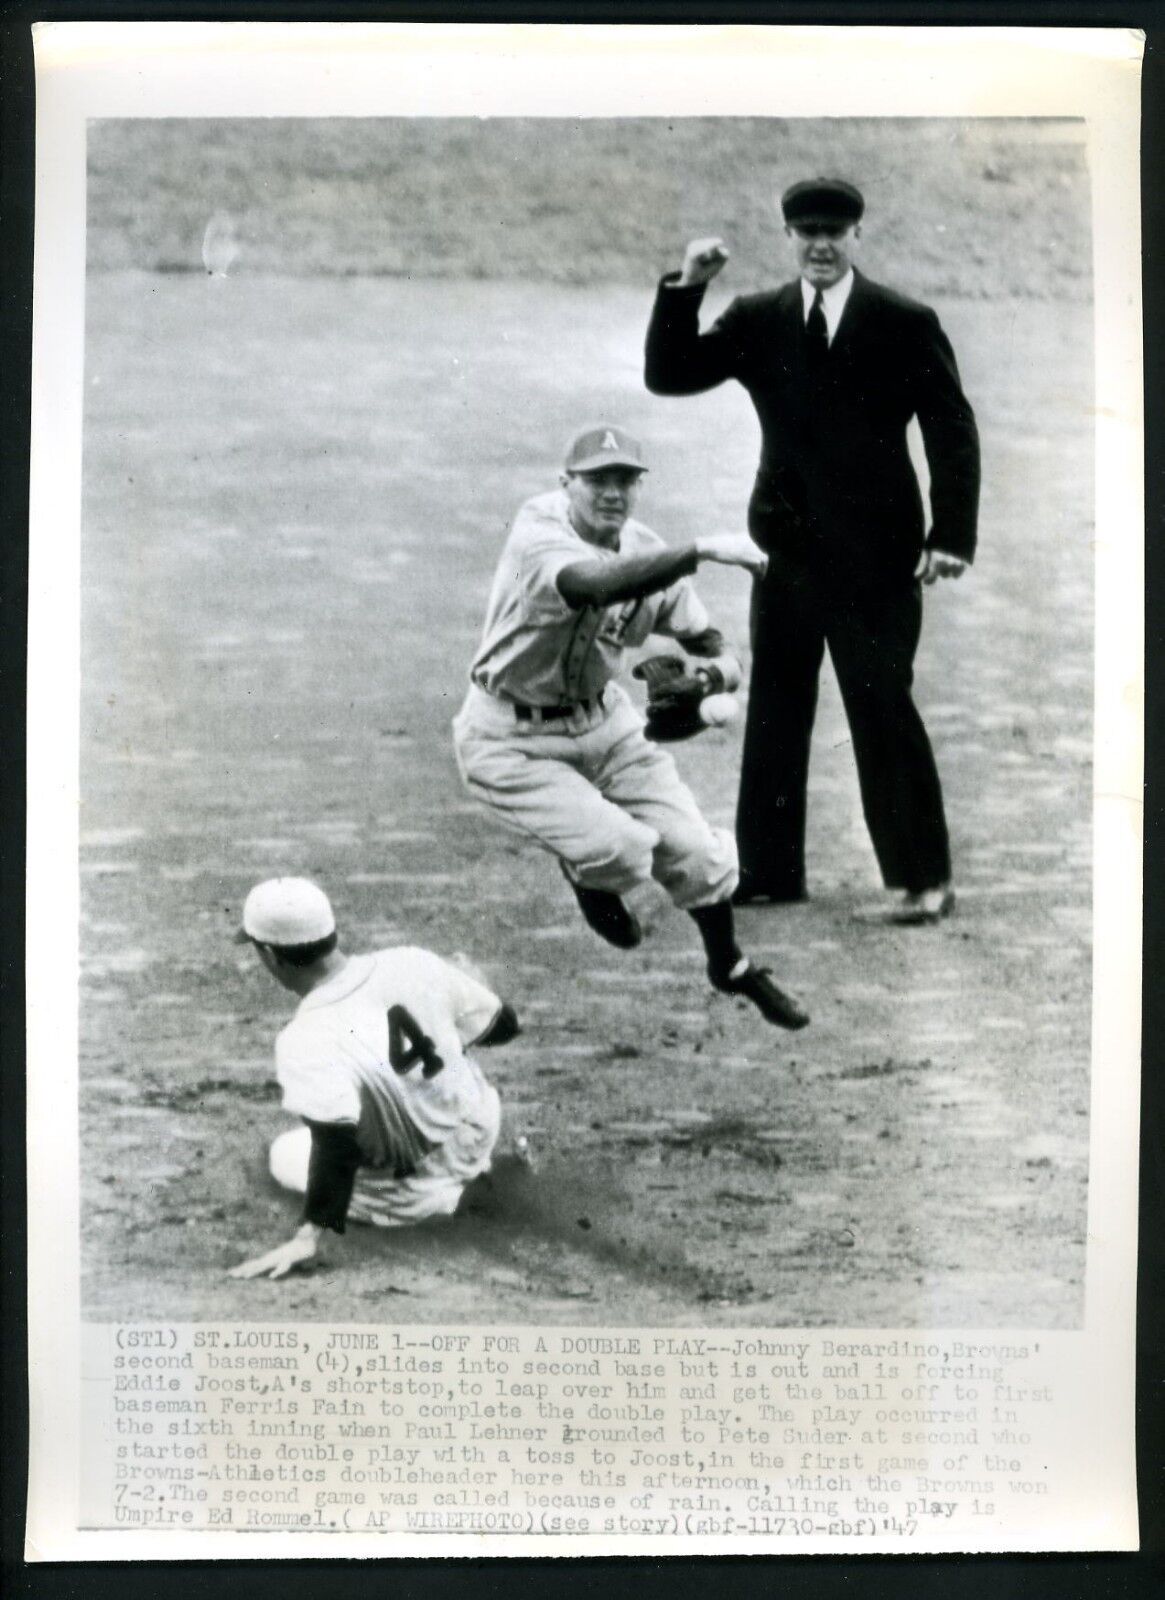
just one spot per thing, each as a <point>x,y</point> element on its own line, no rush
<point>835,486</point>
<point>837,505</point>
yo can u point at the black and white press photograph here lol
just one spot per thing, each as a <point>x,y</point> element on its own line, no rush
<point>587,720</point>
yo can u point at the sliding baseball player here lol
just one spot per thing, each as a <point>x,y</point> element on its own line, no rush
<point>550,742</point>
<point>396,1117</point>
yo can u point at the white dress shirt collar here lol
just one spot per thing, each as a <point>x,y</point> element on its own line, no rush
<point>833,301</point>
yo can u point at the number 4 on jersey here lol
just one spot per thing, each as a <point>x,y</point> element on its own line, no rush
<point>408,1043</point>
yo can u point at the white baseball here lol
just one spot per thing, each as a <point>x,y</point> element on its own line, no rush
<point>717,710</point>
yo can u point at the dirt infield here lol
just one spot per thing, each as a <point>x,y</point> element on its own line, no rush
<point>295,493</point>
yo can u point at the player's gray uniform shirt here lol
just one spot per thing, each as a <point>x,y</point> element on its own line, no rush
<point>539,651</point>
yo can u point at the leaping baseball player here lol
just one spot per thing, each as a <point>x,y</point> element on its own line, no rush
<point>397,1118</point>
<point>550,742</point>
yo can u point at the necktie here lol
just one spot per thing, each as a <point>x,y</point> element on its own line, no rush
<point>817,335</point>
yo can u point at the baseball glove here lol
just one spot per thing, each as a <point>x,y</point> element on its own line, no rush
<point>674,696</point>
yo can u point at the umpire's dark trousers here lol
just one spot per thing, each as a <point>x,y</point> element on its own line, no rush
<point>872,633</point>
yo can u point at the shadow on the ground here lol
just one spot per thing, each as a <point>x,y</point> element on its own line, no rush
<point>559,1219</point>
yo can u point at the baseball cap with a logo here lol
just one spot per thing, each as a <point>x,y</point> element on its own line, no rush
<point>603,446</point>
<point>287,911</point>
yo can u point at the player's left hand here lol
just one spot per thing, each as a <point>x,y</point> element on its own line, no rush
<point>674,697</point>
<point>277,1263</point>
<point>934,564</point>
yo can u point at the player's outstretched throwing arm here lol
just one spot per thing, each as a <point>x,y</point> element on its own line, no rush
<point>396,1117</point>
<point>633,577</point>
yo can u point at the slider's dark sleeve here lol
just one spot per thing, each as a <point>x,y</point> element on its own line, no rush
<point>504,1027</point>
<point>331,1174</point>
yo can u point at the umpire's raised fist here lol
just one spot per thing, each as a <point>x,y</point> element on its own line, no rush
<point>703,259</point>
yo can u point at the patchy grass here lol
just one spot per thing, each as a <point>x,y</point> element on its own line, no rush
<point>295,491</point>
<point>990,207</point>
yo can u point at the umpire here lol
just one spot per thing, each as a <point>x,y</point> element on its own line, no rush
<point>836,367</point>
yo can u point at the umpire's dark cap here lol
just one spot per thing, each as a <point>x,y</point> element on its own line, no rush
<point>829,200</point>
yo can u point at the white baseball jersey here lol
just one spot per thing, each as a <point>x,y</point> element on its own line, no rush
<point>536,649</point>
<point>381,1048</point>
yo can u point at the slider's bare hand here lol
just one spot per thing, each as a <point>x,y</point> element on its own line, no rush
<point>297,1252</point>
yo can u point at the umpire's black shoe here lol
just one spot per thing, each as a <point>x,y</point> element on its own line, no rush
<point>606,914</point>
<point>748,893</point>
<point>923,906</point>
<point>756,984</point>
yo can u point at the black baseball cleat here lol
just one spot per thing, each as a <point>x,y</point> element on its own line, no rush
<point>606,914</point>
<point>756,984</point>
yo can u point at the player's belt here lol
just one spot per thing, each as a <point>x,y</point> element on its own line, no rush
<point>555,713</point>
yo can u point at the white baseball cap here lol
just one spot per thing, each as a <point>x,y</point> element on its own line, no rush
<point>287,911</point>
